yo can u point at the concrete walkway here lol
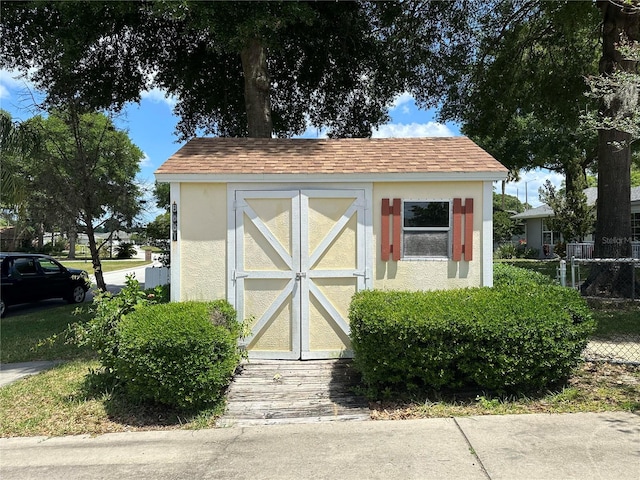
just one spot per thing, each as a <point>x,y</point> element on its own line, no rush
<point>10,372</point>
<point>542,446</point>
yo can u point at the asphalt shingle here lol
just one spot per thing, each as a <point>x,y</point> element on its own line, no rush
<point>322,156</point>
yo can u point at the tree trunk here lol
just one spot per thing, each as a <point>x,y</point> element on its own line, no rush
<point>613,222</point>
<point>257,90</point>
<point>73,237</point>
<point>95,257</point>
<point>40,233</point>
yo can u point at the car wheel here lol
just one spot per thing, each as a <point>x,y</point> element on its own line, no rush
<point>3,307</point>
<point>77,295</point>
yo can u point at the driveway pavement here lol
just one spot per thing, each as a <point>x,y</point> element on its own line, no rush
<point>117,279</point>
<point>542,446</point>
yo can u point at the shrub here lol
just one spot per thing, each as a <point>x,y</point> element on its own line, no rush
<point>522,251</point>
<point>505,275</point>
<point>506,250</point>
<point>55,248</point>
<point>100,333</point>
<point>178,354</point>
<point>125,250</point>
<point>507,339</point>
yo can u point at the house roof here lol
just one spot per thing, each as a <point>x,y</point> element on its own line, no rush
<point>228,158</point>
<point>544,211</point>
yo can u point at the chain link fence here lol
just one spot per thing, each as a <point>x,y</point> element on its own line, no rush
<point>613,347</point>
<point>616,349</point>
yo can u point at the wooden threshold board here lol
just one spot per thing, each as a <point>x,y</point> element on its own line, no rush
<point>265,392</point>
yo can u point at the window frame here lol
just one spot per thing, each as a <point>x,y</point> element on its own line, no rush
<point>48,271</point>
<point>635,226</point>
<point>448,230</point>
<point>555,236</point>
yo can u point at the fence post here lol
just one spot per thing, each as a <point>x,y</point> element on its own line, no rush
<point>573,272</point>
<point>563,273</point>
<point>633,282</point>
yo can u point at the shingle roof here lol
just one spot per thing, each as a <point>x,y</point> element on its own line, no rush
<point>240,156</point>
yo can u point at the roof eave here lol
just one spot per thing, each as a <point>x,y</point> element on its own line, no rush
<point>488,176</point>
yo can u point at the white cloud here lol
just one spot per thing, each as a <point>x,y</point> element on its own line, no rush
<point>157,95</point>
<point>146,161</point>
<point>530,182</point>
<point>402,102</point>
<point>405,130</point>
<point>4,92</point>
<point>11,79</point>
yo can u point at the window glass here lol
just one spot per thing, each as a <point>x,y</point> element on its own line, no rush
<point>426,229</point>
<point>426,244</point>
<point>426,214</point>
<point>49,266</point>
<point>25,266</point>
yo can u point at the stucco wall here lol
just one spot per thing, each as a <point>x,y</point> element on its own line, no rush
<point>204,213</point>
<point>534,235</point>
<point>203,241</point>
<point>428,274</point>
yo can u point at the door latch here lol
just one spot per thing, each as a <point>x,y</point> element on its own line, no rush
<point>300,275</point>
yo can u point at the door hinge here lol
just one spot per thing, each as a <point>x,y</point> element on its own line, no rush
<point>237,275</point>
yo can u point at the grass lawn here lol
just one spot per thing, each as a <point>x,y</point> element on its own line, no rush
<point>107,265</point>
<point>62,401</point>
<point>617,322</point>
<point>40,335</point>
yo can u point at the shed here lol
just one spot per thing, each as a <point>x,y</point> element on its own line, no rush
<point>287,230</point>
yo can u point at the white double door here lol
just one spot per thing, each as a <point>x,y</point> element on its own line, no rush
<point>300,255</point>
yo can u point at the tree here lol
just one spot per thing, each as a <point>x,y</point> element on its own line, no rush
<point>618,125</point>
<point>85,169</point>
<point>522,97</point>
<point>16,141</point>
<point>504,207</point>
<point>572,217</point>
<point>241,68</point>
<point>162,193</point>
<point>159,229</point>
<point>521,91</point>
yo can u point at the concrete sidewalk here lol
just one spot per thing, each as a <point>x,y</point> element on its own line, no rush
<point>571,446</point>
<point>10,372</point>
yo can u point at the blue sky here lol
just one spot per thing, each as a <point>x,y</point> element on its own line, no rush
<point>151,126</point>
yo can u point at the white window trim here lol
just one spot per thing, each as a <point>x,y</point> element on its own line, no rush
<point>448,229</point>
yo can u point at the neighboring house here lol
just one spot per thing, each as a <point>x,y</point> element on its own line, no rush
<point>539,236</point>
<point>287,230</point>
<point>118,237</point>
<point>11,239</point>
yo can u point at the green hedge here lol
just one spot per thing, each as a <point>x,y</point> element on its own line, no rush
<point>506,339</point>
<point>508,275</point>
<point>178,354</point>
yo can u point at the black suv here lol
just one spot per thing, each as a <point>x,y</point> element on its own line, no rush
<point>28,277</point>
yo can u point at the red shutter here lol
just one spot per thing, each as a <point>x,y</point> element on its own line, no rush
<point>397,228</point>
<point>457,230</point>
<point>384,225</point>
<point>391,248</point>
<point>468,229</point>
<point>458,246</point>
